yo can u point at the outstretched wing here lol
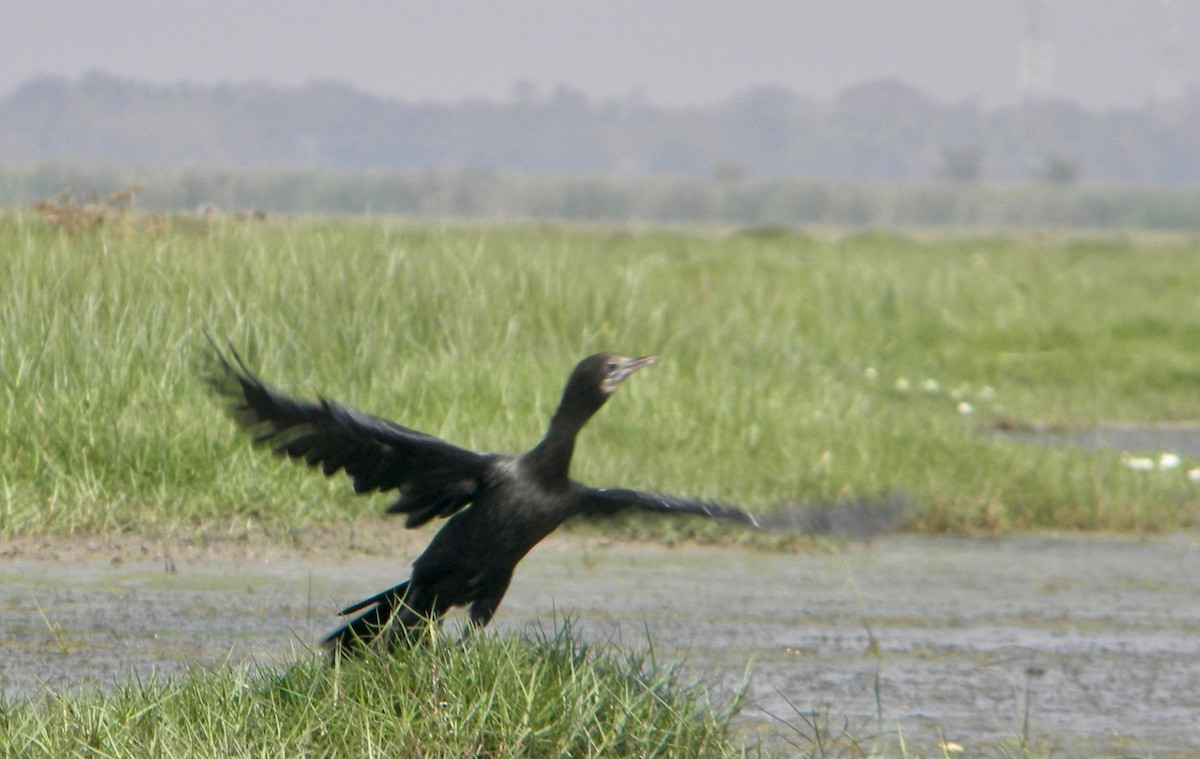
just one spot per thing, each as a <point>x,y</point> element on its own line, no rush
<point>434,478</point>
<point>608,501</point>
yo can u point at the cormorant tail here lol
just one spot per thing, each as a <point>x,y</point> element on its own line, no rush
<point>398,616</point>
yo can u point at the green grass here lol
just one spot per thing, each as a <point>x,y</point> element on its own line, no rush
<point>781,357</point>
<point>490,696</point>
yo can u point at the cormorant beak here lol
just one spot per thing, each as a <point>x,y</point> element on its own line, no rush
<point>625,367</point>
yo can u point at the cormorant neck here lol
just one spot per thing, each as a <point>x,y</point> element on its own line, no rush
<point>550,461</point>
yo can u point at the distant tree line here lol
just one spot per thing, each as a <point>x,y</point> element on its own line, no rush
<point>883,131</point>
<point>760,204</point>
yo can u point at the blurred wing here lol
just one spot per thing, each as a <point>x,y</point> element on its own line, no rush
<point>435,478</point>
<point>598,502</point>
<point>859,518</point>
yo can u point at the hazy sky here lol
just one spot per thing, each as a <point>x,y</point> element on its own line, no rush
<point>674,52</point>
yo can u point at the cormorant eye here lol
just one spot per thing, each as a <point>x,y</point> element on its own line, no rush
<point>611,365</point>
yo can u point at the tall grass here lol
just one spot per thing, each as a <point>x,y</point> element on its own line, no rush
<point>489,696</point>
<point>785,358</point>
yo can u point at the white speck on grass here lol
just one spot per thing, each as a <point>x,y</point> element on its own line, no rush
<point>902,385</point>
<point>1168,461</point>
<point>965,408</point>
<point>1138,463</point>
<point>930,386</point>
<point>1194,474</point>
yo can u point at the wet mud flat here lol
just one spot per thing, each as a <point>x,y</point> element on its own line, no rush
<point>1085,645</point>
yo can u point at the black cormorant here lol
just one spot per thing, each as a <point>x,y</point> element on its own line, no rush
<point>515,501</point>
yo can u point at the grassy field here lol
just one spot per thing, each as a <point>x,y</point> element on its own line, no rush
<point>794,366</point>
<point>490,696</point>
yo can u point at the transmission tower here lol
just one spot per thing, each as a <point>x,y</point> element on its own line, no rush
<point>1035,80</point>
<point>1168,78</point>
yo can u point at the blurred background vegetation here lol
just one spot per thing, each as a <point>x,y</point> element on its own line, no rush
<point>496,196</point>
<point>880,131</point>
<point>880,154</point>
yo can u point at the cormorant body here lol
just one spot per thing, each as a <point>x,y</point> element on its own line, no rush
<point>497,506</point>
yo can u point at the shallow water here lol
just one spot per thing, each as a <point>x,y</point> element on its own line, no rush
<point>1098,636</point>
<point>1180,439</point>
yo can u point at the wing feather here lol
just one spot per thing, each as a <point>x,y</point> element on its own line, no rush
<point>435,478</point>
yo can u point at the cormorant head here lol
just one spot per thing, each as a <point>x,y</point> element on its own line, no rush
<point>597,377</point>
<point>614,369</point>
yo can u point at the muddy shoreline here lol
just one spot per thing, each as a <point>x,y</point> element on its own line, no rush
<point>935,638</point>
